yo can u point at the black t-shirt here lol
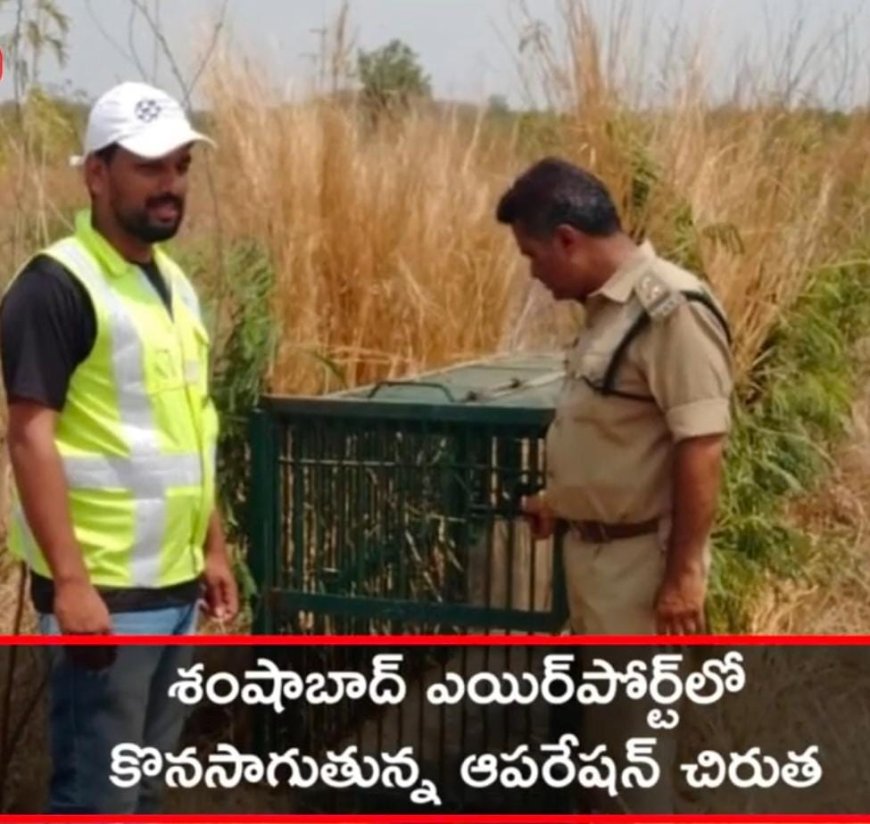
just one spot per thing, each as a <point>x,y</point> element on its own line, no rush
<point>47,328</point>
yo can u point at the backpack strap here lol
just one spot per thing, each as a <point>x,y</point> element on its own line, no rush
<point>658,300</point>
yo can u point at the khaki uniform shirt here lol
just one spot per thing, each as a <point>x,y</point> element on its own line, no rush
<point>609,458</point>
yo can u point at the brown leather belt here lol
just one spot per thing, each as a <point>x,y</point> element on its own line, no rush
<point>597,532</point>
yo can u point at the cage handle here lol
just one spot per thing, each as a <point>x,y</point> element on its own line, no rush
<point>428,384</point>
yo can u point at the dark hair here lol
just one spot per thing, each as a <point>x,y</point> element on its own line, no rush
<point>107,152</point>
<point>554,192</point>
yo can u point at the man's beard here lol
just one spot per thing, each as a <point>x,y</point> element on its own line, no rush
<point>141,226</point>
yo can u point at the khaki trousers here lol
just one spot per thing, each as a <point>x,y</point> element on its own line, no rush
<point>611,590</point>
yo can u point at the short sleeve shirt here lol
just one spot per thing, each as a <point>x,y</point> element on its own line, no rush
<point>48,327</point>
<point>610,457</point>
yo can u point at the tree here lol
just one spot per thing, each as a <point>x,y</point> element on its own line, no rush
<point>498,105</point>
<point>392,76</point>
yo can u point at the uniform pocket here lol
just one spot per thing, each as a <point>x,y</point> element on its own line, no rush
<point>581,400</point>
<point>628,384</point>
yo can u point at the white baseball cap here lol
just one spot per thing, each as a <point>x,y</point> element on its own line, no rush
<point>142,119</point>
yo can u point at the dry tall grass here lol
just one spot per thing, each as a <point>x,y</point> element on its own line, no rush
<point>751,193</point>
<point>383,244</point>
<point>388,258</point>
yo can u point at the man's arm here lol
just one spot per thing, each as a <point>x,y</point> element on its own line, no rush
<point>47,328</point>
<point>42,488</point>
<point>222,594</point>
<point>687,360</point>
<point>696,482</point>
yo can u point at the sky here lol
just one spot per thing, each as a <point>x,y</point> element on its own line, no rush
<point>469,48</point>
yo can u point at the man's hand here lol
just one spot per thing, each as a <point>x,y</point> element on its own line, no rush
<point>79,609</point>
<point>697,472</point>
<point>221,589</point>
<point>540,517</point>
<point>221,593</point>
<point>680,604</point>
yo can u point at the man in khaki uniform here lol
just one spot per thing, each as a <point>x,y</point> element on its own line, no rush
<point>635,450</point>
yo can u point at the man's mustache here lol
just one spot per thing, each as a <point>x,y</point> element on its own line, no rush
<point>165,200</point>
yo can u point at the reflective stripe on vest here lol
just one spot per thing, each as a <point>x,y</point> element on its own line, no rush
<point>185,293</point>
<point>147,473</point>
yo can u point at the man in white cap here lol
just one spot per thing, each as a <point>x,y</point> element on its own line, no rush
<point>112,437</point>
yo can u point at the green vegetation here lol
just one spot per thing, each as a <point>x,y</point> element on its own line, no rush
<point>788,421</point>
<point>392,77</point>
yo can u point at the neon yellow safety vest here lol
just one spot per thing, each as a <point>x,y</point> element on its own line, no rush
<point>138,432</point>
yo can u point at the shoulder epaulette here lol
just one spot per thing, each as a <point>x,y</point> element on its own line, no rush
<point>657,296</point>
<point>658,299</point>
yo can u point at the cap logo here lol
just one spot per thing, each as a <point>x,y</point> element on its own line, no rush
<point>147,110</point>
